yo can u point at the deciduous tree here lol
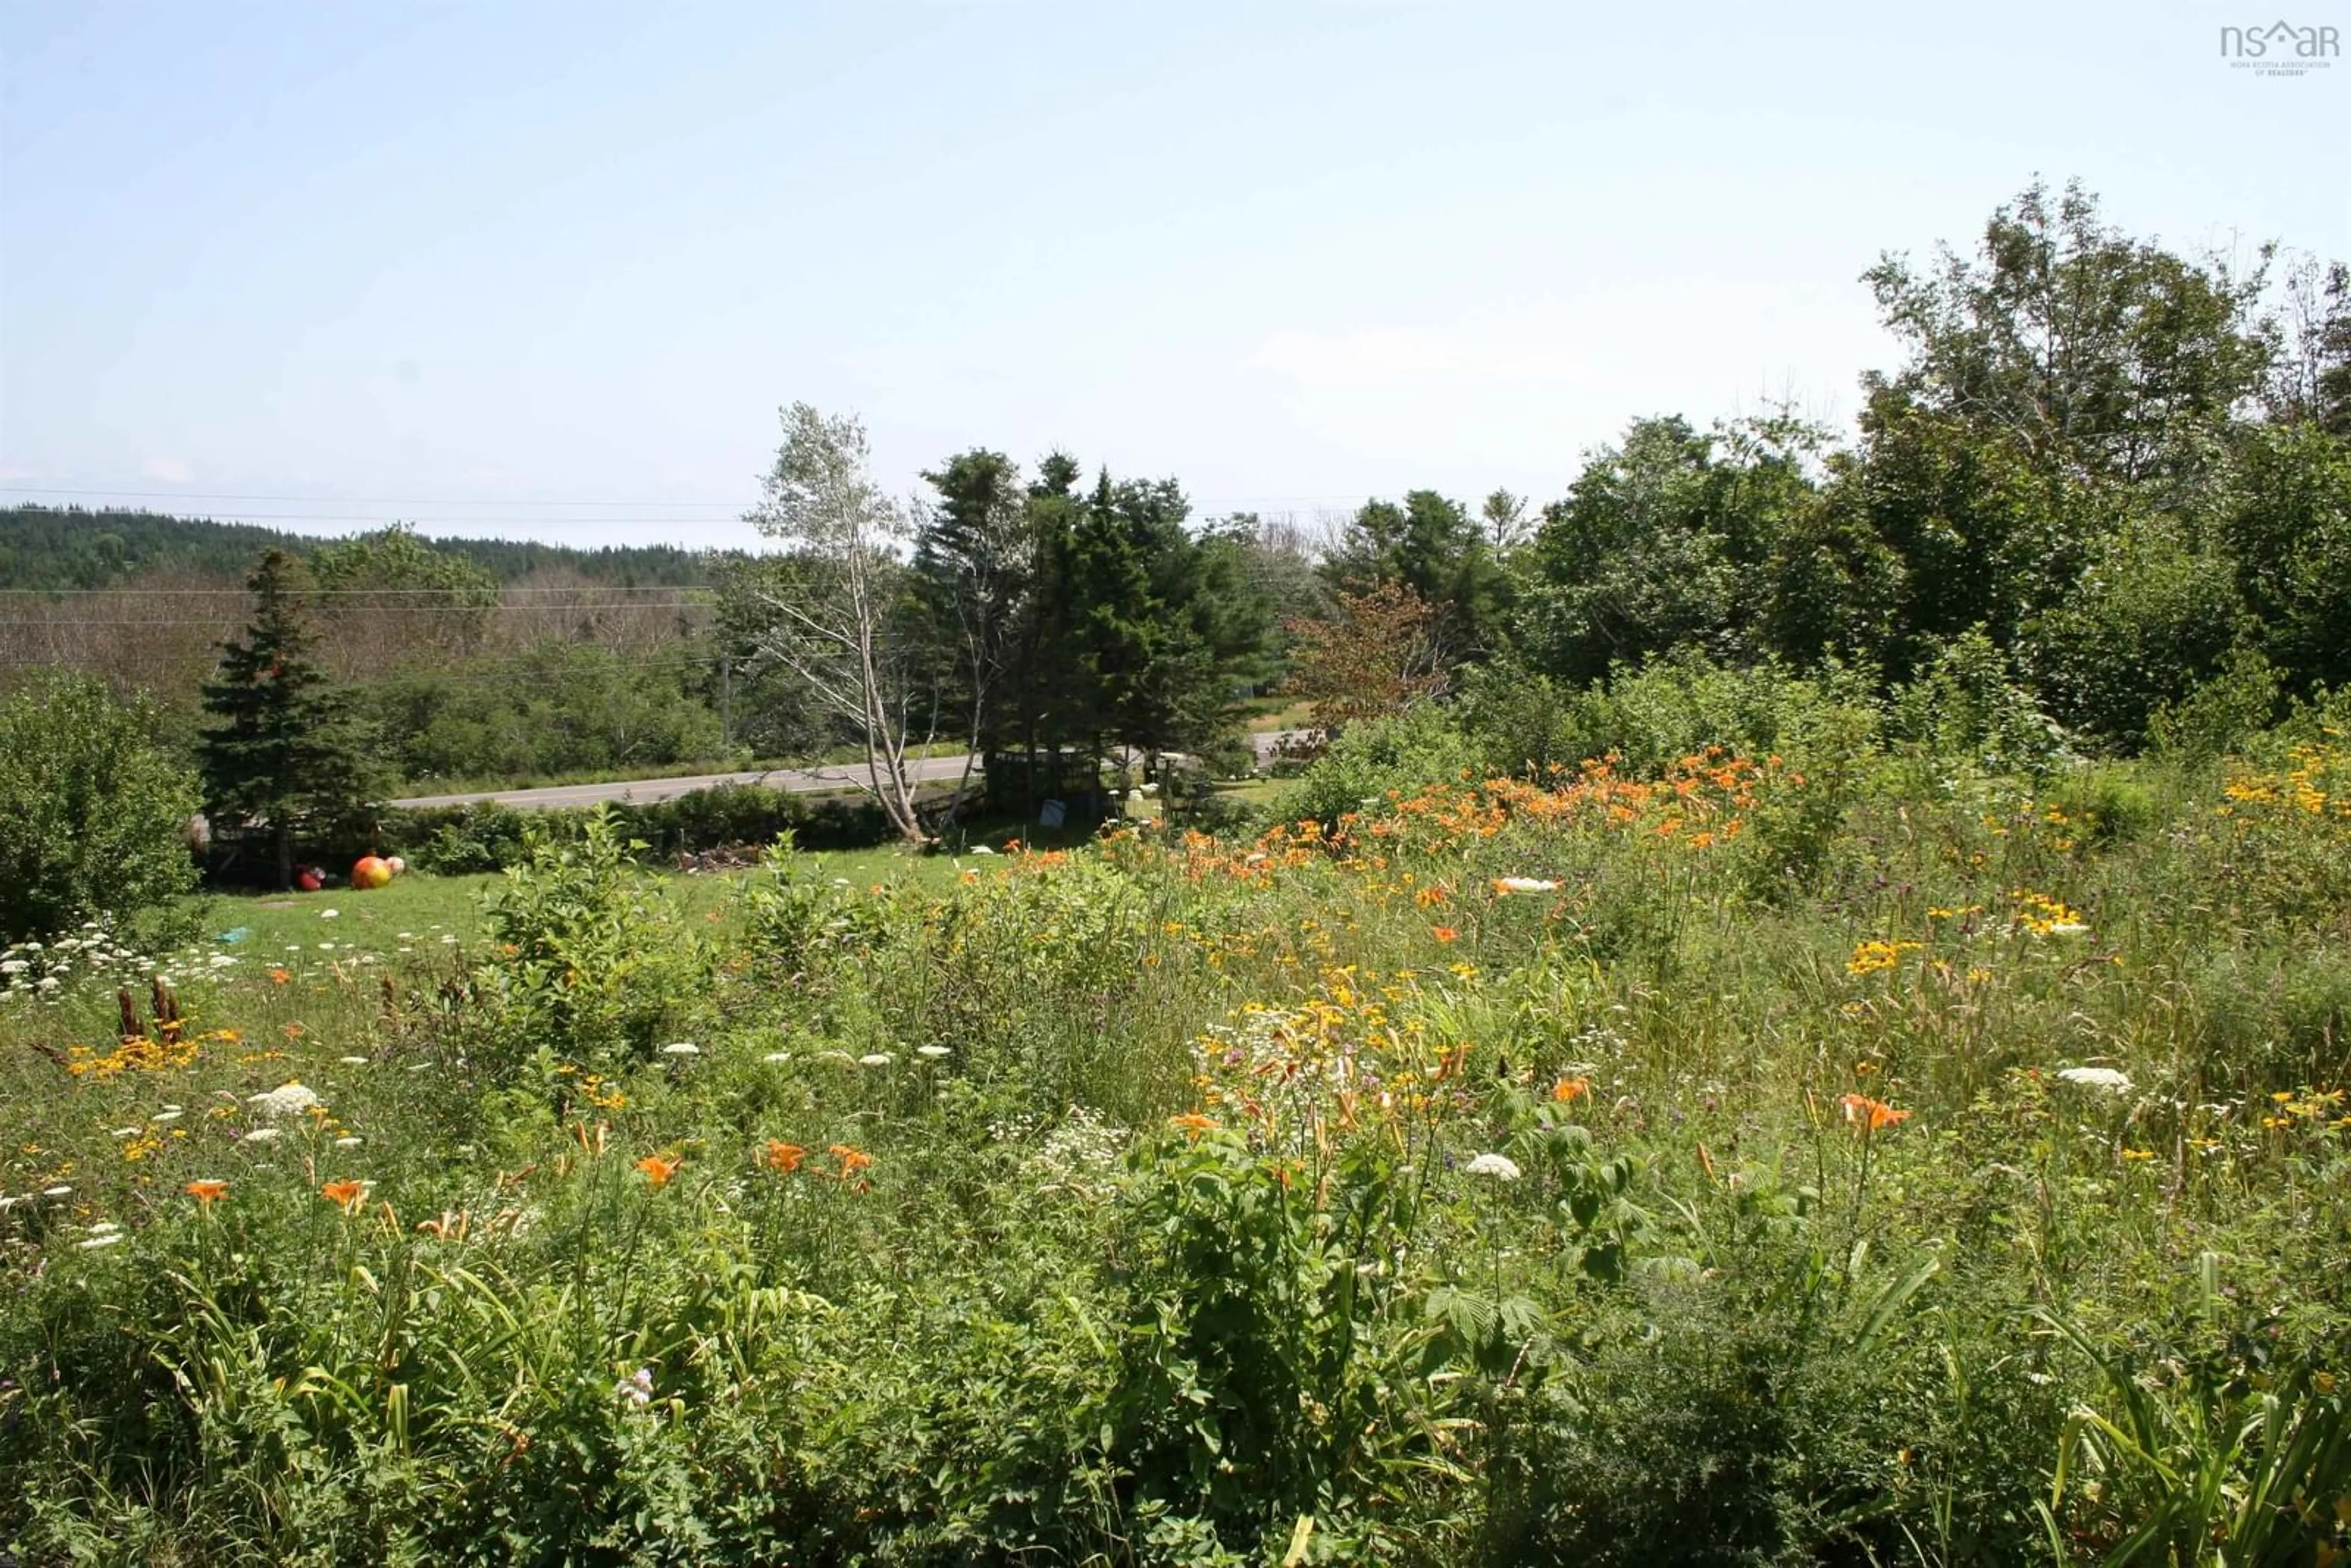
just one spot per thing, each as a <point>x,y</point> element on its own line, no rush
<point>1381,653</point>
<point>836,610</point>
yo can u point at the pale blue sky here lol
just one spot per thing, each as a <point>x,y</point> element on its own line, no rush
<point>444,261</point>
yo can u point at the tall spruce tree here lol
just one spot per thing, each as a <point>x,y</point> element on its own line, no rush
<point>281,756</point>
<point>1159,627</point>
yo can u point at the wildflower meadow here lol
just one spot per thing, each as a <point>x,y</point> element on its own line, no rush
<point>1832,1156</point>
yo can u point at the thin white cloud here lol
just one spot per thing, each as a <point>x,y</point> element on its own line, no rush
<point>170,470</point>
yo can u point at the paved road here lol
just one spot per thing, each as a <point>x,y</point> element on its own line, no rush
<point>799,780</point>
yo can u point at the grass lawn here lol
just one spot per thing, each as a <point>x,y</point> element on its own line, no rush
<point>1255,791</point>
<point>420,911</point>
<point>1278,713</point>
<point>416,910</point>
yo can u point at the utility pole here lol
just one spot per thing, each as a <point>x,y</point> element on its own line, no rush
<point>725,697</point>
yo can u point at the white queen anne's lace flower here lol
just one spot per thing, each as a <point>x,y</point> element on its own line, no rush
<point>1525,884</point>
<point>681,1048</point>
<point>2097,1078</point>
<point>1502,1167</point>
<point>285,1100</point>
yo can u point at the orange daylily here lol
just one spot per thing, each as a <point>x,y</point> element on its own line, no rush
<point>1443,933</point>
<point>1192,1122</point>
<point>204,1192</point>
<point>280,977</point>
<point>1568,1091</point>
<point>784,1157</point>
<point>851,1160</point>
<point>1872,1115</point>
<point>659,1170</point>
<point>346,1195</point>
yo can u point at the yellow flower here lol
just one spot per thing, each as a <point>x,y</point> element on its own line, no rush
<point>1871,956</point>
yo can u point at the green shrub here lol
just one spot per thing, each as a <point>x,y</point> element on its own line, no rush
<point>1652,714</point>
<point>1677,706</point>
<point>594,969</point>
<point>2151,617</point>
<point>561,707</point>
<point>459,840</point>
<point>2222,714</point>
<point>1966,705</point>
<point>92,815</point>
<point>464,841</point>
<point>1368,761</point>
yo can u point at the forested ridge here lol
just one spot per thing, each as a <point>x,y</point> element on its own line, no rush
<point>73,547</point>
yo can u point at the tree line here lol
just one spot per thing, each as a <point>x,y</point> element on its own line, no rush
<point>83,549</point>
<point>2116,475</point>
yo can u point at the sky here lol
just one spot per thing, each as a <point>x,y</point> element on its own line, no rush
<point>549,270</point>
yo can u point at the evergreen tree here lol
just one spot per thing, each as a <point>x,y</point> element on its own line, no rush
<point>1433,548</point>
<point>1160,628</point>
<point>281,756</point>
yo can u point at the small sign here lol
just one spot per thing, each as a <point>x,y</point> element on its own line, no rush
<point>2280,49</point>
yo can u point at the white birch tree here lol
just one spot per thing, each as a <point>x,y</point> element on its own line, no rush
<point>829,605</point>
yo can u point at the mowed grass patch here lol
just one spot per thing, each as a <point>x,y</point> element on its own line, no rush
<point>415,909</point>
<point>418,911</point>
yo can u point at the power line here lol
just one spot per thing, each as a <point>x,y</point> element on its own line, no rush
<point>470,672</point>
<point>228,618</point>
<point>346,501</point>
<point>262,520</point>
<point>1350,497</point>
<point>333,592</point>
